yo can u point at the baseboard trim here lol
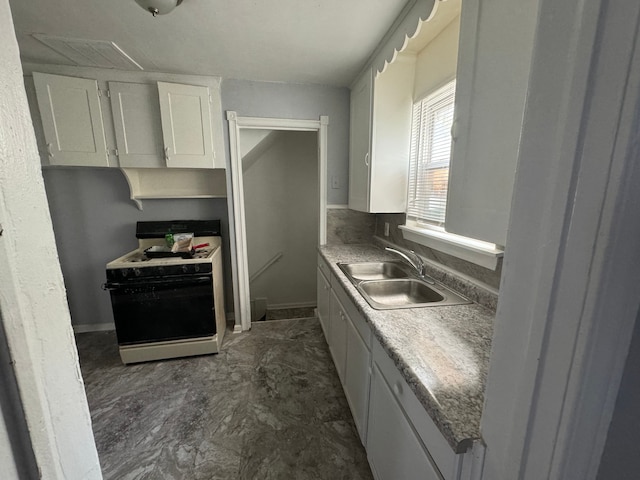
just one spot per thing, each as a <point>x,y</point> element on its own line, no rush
<point>281,306</point>
<point>94,327</point>
<point>337,207</point>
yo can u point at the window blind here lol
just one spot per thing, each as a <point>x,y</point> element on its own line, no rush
<point>430,153</point>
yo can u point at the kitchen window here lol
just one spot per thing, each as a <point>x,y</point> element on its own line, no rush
<point>430,154</point>
<point>429,157</point>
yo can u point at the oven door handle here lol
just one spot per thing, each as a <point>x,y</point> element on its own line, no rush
<point>181,281</point>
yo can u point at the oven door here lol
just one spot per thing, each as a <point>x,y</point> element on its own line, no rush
<point>159,310</point>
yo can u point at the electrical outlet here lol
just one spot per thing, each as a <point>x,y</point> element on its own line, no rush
<point>386,229</point>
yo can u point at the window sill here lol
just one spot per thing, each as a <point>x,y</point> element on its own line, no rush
<point>455,245</point>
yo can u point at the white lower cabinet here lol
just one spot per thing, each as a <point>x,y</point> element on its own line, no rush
<point>356,385</point>
<point>394,450</point>
<point>401,439</point>
<point>338,336</point>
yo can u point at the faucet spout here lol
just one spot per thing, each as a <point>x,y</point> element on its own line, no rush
<point>415,261</point>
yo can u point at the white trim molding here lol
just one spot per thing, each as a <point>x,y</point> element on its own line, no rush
<point>337,207</point>
<point>242,302</point>
<point>474,251</point>
<point>569,296</point>
<point>53,414</point>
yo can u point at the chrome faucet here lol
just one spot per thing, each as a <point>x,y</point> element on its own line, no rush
<point>416,263</point>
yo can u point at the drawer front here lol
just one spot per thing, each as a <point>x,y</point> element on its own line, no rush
<point>324,267</point>
<point>447,461</point>
<point>356,317</point>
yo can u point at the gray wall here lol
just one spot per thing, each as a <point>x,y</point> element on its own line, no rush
<point>281,210</point>
<point>620,460</point>
<point>285,100</point>
<point>94,223</point>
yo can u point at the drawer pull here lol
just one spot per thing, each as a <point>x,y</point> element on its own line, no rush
<point>397,388</point>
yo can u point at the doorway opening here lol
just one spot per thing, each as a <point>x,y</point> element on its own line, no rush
<point>278,180</point>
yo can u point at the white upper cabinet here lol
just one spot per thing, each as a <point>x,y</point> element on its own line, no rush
<point>137,125</point>
<point>492,79</point>
<point>155,124</point>
<point>186,125</point>
<point>72,120</point>
<point>360,142</point>
<point>379,138</point>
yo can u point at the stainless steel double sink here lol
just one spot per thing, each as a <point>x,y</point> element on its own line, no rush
<point>389,285</point>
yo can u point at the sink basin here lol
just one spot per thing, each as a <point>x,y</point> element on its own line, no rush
<point>389,285</point>
<point>407,293</point>
<point>373,271</point>
<point>400,292</point>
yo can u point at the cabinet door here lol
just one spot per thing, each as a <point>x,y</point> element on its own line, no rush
<point>391,137</point>
<point>324,292</point>
<point>72,120</point>
<point>356,386</point>
<point>360,142</point>
<point>394,450</point>
<point>186,125</point>
<point>338,336</point>
<point>136,121</point>
<point>494,59</point>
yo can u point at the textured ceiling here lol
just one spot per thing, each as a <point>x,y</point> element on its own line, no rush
<point>303,41</point>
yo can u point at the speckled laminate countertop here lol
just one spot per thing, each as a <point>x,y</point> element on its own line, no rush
<point>442,352</point>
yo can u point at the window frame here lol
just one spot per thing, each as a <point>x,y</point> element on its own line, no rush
<point>432,234</point>
<point>423,149</point>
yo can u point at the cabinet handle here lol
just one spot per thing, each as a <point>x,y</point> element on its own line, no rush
<point>366,159</point>
<point>454,130</point>
<point>50,150</point>
<point>397,388</point>
<point>166,154</point>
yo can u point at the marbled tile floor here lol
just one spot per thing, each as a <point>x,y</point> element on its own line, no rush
<point>269,406</point>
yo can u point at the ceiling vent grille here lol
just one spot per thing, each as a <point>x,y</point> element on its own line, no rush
<point>89,53</point>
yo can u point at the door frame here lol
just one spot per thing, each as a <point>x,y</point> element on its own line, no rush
<point>569,295</point>
<point>238,232</point>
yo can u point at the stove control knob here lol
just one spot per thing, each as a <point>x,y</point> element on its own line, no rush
<point>196,268</point>
<point>125,272</point>
<point>136,272</point>
<point>185,269</point>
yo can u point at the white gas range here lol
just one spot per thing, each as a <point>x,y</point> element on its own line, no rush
<point>168,305</point>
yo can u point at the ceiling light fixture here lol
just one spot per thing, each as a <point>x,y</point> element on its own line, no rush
<point>159,7</point>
